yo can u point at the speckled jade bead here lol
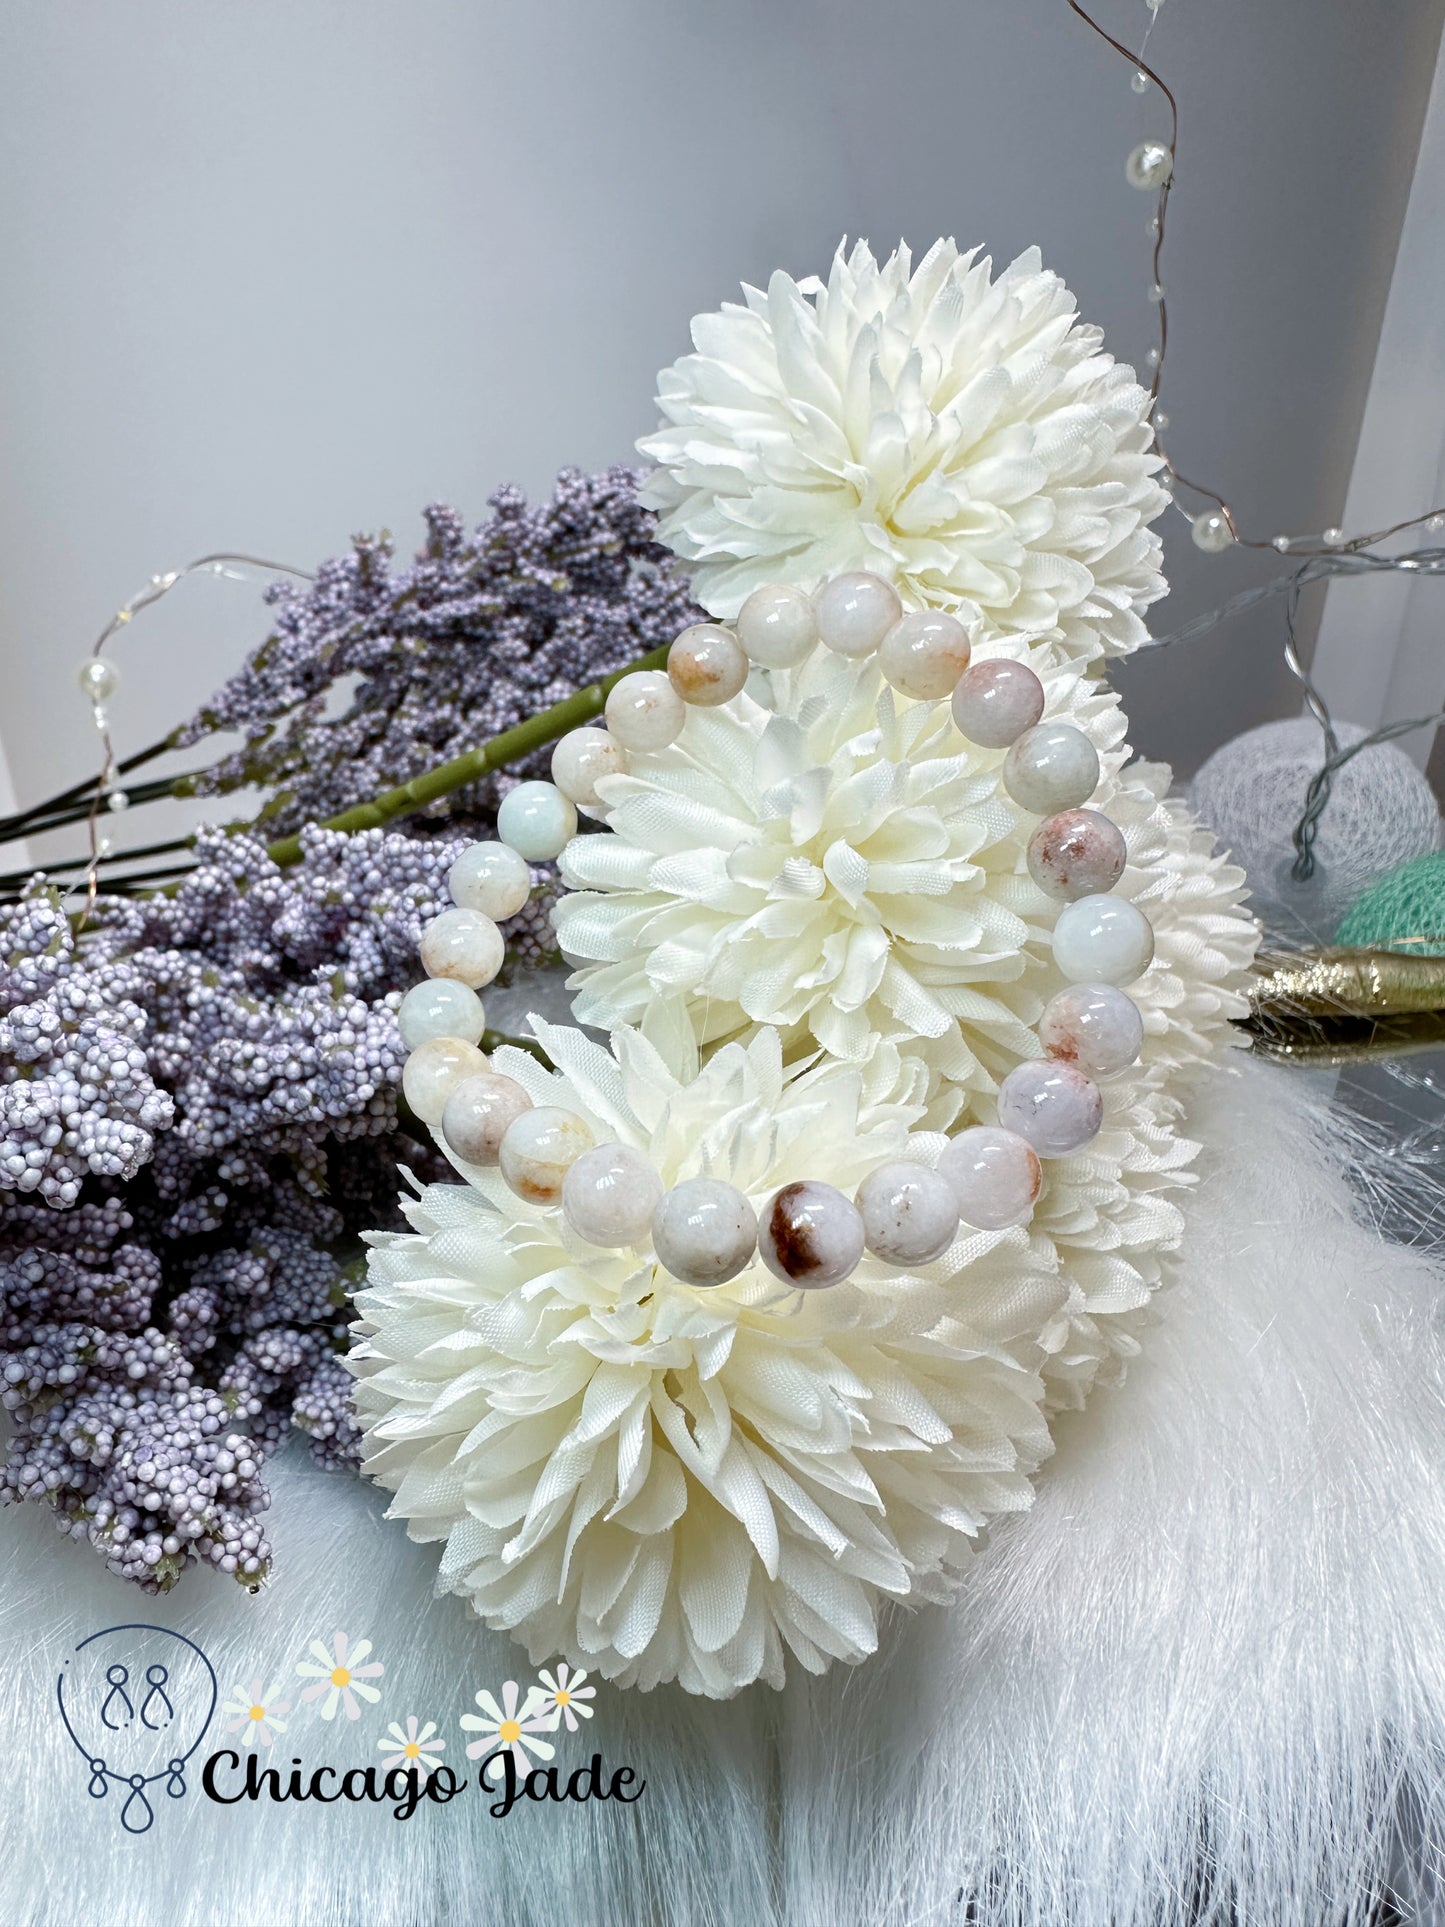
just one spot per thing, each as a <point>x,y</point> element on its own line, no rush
<point>462,944</point>
<point>995,702</point>
<point>910,1215</point>
<point>704,1231</point>
<point>581,760</point>
<point>1095,1026</point>
<point>537,820</point>
<point>856,611</point>
<point>478,1113</point>
<point>434,1070</point>
<point>1103,940</point>
<point>440,1007</point>
<point>1052,766</point>
<point>539,1148</point>
<point>644,711</point>
<point>995,1175</point>
<point>776,626</point>
<point>610,1194</point>
<point>811,1235</point>
<point>1052,1105</point>
<point>491,878</point>
<point>1078,853</point>
<point>924,654</point>
<point>707,665</point>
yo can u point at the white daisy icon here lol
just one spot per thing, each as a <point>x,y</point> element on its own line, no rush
<point>412,1749</point>
<point>340,1675</point>
<point>507,1726</point>
<point>254,1710</point>
<point>565,1697</point>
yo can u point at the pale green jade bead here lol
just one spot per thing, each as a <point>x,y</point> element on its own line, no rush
<point>537,821</point>
<point>440,1007</point>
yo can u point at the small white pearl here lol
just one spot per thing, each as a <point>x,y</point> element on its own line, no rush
<point>539,1148</point>
<point>1333,538</point>
<point>910,1215</point>
<point>1103,940</point>
<point>704,1231</point>
<point>477,1115</point>
<point>924,654</point>
<point>1280,542</point>
<point>776,626</point>
<point>1156,295</point>
<point>1152,360</point>
<point>98,678</point>
<point>462,944</point>
<point>581,760</point>
<point>1149,165</point>
<point>1211,532</point>
<point>537,820</point>
<point>1161,420</point>
<point>1078,853</point>
<point>1094,1026</point>
<point>434,1070</point>
<point>644,711</point>
<point>116,800</point>
<point>856,611</point>
<point>491,878</point>
<point>707,665</point>
<point>995,1175</point>
<point>995,702</point>
<point>1434,523</point>
<point>1052,1105</point>
<point>811,1235</point>
<point>1052,766</point>
<point>1140,82</point>
<point>610,1194</point>
<point>440,1007</point>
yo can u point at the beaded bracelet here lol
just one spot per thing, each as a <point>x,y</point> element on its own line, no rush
<point>705,1231</point>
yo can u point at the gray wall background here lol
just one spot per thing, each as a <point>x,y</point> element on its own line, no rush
<point>281,272</point>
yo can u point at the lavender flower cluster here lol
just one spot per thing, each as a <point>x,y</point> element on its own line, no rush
<point>199,1099</point>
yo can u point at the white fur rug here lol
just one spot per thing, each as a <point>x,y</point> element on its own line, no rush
<point>1204,1679</point>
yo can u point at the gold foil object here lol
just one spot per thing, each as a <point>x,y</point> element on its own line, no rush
<point>1338,1006</point>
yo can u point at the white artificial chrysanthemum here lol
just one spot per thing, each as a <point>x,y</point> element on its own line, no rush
<point>966,437</point>
<point>661,1482</point>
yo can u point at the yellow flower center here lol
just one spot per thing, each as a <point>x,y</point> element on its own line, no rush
<point>509,1731</point>
<point>562,1696</point>
<point>258,1712</point>
<point>411,1749</point>
<point>340,1676</point>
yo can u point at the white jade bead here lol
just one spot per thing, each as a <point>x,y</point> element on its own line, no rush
<point>704,1231</point>
<point>1052,766</point>
<point>440,1007</point>
<point>581,760</point>
<point>924,654</point>
<point>1094,1026</point>
<point>707,665</point>
<point>462,944</point>
<point>644,711</point>
<point>855,612</point>
<point>811,1235</point>
<point>538,1149</point>
<point>477,1114</point>
<point>491,878</point>
<point>995,1174</point>
<point>610,1194</point>
<point>910,1214</point>
<point>1052,1105</point>
<point>1078,853</point>
<point>995,702</point>
<point>776,626</point>
<point>537,820</point>
<point>1103,940</point>
<point>434,1070</point>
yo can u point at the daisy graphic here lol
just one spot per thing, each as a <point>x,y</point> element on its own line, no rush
<point>412,1749</point>
<point>565,1696</point>
<point>505,1726</point>
<point>255,1709</point>
<point>339,1676</point>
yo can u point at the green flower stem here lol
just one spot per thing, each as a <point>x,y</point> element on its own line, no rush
<point>510,747</point>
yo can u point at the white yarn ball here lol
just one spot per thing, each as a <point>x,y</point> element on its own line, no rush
<point>1251,793</point>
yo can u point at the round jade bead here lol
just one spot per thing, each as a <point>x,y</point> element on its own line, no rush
<point>537,821</point>
<point>924,654</point>
<point>477,1115</point>
<point>581,760</point>
<point>644,711</point>
<point>707,665</point>
<point>910,1215</point>
<point>1078,853</point>
<point>462,944</point>
<point>995,702</point>
<point>434,1070</point>
<point>610,1194</point>
<point>539,1148</point>
<point>440,1007</point>
<point>777,627</point>
<point>855,612</point>
<point>995,1174</point>
<point>1103,940</point>
<point>491,878</point>
<point>1095,1026</point>
<point>811,1235</point>
<point>1052,766</point>
<point>1052,1105</point>
<point>704,1231</point>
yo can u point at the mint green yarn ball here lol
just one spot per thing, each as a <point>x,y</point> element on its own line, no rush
<point>1404,903</point>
